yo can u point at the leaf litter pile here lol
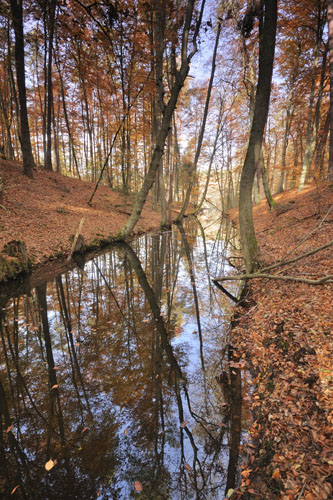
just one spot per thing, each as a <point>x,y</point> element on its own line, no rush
<point>286,337</point>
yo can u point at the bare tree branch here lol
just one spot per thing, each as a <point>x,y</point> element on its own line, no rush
<point>325,279</point>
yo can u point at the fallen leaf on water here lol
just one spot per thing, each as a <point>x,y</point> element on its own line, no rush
<point>55,386</point>
<point>138,486</point>
<point>14,489</point>
<point>125,432</point>
<point>188,467</point>
<point>9,428</point>
<point>56,368</point>
<point>183,424</point>
<point>194,332</point>
<point>50,464</point>
<point>84,430</point>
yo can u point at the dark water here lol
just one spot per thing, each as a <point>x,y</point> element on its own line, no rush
<point>120,375</point>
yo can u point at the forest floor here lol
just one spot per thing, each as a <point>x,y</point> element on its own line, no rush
<point>285,336</point>
<point>46,210</point>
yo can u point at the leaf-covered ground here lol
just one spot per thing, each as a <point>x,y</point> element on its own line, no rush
<point>46,210</point>
<point>286,338</point>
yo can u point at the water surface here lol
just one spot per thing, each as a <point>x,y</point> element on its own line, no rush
<point>119,373</point>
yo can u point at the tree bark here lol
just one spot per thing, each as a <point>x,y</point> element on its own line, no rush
<point>51,19</point>
<point>330,34</point>
<point>17,18</point>
<point>264,177</point>
<point>311,132</point>
<point>267,31</point>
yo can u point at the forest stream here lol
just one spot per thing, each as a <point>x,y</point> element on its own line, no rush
<point>117,378</point>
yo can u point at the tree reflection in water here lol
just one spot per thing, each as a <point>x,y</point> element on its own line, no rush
<point>120,372</point>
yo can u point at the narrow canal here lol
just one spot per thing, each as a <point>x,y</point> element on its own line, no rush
<point>117,376</point>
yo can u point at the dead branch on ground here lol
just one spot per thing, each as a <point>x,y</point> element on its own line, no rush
<point>325,279</point>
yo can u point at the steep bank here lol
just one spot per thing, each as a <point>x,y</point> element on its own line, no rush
<point>44,211</point>
<point>286,338</point>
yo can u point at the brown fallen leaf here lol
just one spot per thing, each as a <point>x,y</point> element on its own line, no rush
<point>9,428</point>
<point>14,489</point>
<point>183,424</point>
<point>188,467</point>
<point>84,430</point>
<point>55,386</point>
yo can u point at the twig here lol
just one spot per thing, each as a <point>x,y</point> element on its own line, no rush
<point>309,235</point>
<point>291,261</point>
<point>302,490</point>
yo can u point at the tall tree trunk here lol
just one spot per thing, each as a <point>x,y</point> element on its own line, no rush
<point>330,34</point>
<point>9,146</point>
<point>212,156</point>
<point>285,142</point>
<point>159,38</point>
<point>17,17</point>
<point>51,22</point>
<point>264,177</point>
<point>312,127</point>
<point>321,146</point>
<point>202,129</point>
<point>267,31</point>
<point>70,137</point>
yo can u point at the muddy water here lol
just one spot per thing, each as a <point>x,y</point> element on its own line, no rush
<point>117,375</point>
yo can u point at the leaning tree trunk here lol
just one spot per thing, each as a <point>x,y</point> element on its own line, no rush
<point>202,129</point>
<point>267,31</point>
<point>180,77</point>
<point>17,17</point>
<point>264,177</point>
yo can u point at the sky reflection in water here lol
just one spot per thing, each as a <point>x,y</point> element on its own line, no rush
<point>120,373</point>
